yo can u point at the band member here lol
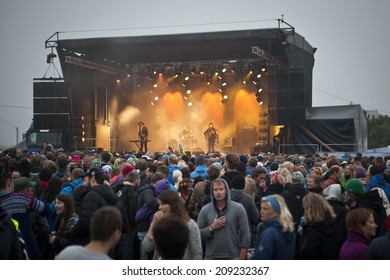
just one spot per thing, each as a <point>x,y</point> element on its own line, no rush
<point>211,135</point>
<point>143,136</point>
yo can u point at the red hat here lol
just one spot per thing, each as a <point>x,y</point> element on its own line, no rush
<point>76,158</point>
<point>127,169</point>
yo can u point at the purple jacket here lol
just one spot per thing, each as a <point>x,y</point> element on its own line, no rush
<point>355,247</point>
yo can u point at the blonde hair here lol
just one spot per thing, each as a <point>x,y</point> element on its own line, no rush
<point>252,185</point>
<point>316,208</point>
<point>284,217</point>
<point>289,165</point>
<point>284,176</point>
<point>318,171</point>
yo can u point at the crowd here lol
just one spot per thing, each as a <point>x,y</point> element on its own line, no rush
<point>178,205</point>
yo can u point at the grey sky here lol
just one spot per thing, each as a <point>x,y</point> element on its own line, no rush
<point>351,63</point>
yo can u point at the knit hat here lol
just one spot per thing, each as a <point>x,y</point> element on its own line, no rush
<point>217,164</point>
<point>107,169</point>
<point>238,182</point>
<point>76,158</point>
<point>360,172</point>
<point>161,186</point>
<point>127,169</point>
<point>21,183</point>
<point>355,186</point>
<point>274,166</point>
<point>297,178</point>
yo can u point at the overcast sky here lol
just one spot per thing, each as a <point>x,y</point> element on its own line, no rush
<point>351,63</point>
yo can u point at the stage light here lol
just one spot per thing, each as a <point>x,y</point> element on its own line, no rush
<point>258,76</point>
<point>156,98</point>
<point>244,82</point>
<point>223,101</point>
<point>224,84</point>
<point>154,72</point>
<point>223,70</point>
<point>216,74</point>
<point>263,69</point>
<point>188,91</point>
<point>261,103</point>
<point>176,76</point>
<point>128,75</point>
<point>189,104</point>
<point>186,78</point>
<point>220,90</point>
<point>50,58</point>
<point>201,72</point>
<point>254,82</point>
<point>118,81</point>
<point>152,103</point>
<point>259,90</point>
<point>250,72</point>
<point>155,85</point>
<point>185,97</point>
<point>219,77</point>
<point>225,97</point>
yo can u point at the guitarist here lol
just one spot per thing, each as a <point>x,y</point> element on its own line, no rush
<point>210,135</point>
<point>143,136</point>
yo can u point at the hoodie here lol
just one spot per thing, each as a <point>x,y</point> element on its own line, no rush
<point>378,181</point>
<point>226,242</point>
<point>273,243</point>
<point>373,201</point>
<point>334,197</point>
<point>200,170</point>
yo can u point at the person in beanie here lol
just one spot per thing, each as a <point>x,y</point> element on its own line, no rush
<point>238,195</point>
<point>293,195</point>
<point>370,200</point>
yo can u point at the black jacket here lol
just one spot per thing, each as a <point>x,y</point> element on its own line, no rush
<point>146,196</point>
<point>294,195</point>
<point>9,238</point>
<point>319,240</point>
<point>274,189</point>
<point>249,205</point>
<point>372,200</point>
<point>95,198</point>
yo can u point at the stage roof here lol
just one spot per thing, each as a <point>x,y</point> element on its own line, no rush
<point>277,46</point>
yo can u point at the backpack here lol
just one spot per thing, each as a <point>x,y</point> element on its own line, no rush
<point>127,202</point>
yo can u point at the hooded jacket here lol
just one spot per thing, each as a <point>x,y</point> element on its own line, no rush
<point>248,203</point>
<point>200,170</point>
<point>294,194</point>
<point>373,201</point>
<point>226,242</point>
<point>319,240</point>
<point>378,181</point>
<point>273,243</point>
<point>334,197</point>
<point>95,198</point>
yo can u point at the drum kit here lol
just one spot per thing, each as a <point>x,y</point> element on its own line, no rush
<point>188,139</point>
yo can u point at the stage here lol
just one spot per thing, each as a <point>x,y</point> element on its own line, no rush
<point>248,83</point>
